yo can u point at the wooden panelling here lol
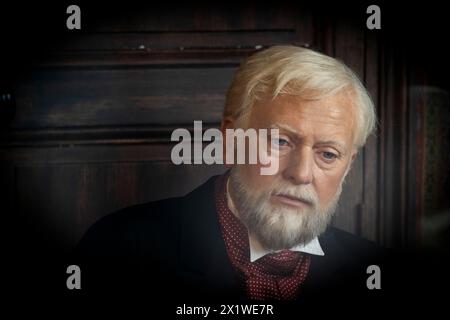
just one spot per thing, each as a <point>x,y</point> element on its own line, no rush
<point>190,17</point>
<point>146,41</point>
<point>76,98</point>
<point>369,223</point>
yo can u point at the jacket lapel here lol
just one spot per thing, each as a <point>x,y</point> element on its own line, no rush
<point>203,259</point>
<point>324,269</point>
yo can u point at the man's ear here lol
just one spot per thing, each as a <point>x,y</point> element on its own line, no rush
<point>354,154</point>
<point>227,123</point>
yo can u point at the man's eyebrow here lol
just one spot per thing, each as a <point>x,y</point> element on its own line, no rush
<point>285,127</point>
<point>332,142</point>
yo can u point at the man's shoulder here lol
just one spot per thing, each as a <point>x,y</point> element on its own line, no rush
<point>137,214</point>
<point>118,231</point>
<point>158,212</point>
<point>352,240</point>
<point>353,246</point>
<point>145,224</point>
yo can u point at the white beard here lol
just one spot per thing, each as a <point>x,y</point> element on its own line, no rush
<point>279,227</point>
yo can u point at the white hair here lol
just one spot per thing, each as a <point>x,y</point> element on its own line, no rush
<point>301,72</point>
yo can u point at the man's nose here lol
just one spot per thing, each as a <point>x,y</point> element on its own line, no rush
<point>300,167</point>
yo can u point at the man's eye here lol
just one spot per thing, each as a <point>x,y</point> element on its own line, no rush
<point>329,155</point>
<point>281,142</point>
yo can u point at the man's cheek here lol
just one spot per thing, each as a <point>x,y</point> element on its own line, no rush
<point>259,181</point>
<point>271,167</point>
<point>327,191</point>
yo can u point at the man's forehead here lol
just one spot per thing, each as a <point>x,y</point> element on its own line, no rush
<point>334,106</point>
<point>335,112</point>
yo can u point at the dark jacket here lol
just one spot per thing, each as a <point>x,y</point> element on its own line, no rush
<point>175,247</point>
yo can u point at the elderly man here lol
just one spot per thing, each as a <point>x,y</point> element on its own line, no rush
<point>244,235</point>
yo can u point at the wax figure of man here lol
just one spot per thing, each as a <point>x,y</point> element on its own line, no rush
<point>248,236</point>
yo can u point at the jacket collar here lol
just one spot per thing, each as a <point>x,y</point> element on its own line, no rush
<point>203,258</point>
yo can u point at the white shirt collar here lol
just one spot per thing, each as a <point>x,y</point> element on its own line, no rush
<point>257,251</point>
<point>312,247</point>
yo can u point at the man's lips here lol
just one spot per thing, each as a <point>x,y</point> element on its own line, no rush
<point>291,200</point>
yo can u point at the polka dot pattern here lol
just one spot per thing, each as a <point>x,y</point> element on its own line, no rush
<point>275,276</point>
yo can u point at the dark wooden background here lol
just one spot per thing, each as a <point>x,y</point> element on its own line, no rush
<point>87,128</point>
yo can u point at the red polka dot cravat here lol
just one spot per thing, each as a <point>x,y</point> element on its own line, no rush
<point>275,276</point>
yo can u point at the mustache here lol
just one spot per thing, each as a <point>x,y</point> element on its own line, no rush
<point>303,193</point>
